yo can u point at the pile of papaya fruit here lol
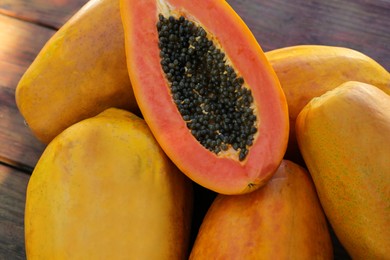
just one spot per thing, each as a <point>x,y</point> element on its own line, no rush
<point>127,175</point>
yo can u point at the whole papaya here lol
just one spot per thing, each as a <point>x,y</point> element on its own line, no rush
<point>308,71</point>
<point>80,72</point>
<point>344,139</point>
<point>104,189</point>
<point>281,220</point>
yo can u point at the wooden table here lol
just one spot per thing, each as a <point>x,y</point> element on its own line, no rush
<point>26,25</point>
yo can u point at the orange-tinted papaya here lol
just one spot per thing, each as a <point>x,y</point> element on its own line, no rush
<point>281,220</point>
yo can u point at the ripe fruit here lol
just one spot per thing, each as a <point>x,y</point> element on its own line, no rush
<point>80,72</point>
<point>206,90</point>
<point>104,189</point>
<point>344,139</point>
<point>281,220</point>
<point>308,71</point>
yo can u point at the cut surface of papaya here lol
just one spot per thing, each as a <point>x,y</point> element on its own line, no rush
<point>206,90</point>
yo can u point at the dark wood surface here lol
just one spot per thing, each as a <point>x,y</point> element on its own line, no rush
<point>25,26</point>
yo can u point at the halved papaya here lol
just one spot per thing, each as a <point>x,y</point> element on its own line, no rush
<point>207,91</point>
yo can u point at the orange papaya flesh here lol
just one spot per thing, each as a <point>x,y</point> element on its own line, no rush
<point>217,160</point>
<point>281,220</point>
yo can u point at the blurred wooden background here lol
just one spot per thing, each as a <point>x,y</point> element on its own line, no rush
<point>25,26</point>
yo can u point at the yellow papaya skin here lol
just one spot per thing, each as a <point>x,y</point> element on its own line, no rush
<point>281,220</point>
<point>308,71</point>
<point>104,189</point>
<point>344,139</point>
<point>80,72</point>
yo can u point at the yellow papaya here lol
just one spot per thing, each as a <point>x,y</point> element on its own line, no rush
<point>80,72</point>
<point>308,71</point>
<point>104,189</point>
<point>344,139</point>
<point>281,220</point>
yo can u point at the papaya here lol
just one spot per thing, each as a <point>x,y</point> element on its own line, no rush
<point>78,73</point>
<point>281,220</point>
<point>207,91</point>
<point>104,189</point>
<point>344,139</point>
<point>308,71</point>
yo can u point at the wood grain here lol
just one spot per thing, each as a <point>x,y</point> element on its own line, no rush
<point>48,13</point>
<point>13,185</point>
<point>361,24</point>
<point>21,41</point>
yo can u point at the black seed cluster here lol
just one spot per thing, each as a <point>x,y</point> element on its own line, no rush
<point>210,96</point>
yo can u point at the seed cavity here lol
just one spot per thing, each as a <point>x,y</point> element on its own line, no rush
<point>210,96</point>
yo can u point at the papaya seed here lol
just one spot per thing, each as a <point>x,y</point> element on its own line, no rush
<point>208,92</point>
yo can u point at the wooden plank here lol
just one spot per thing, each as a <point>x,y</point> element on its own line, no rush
<point>50,13</point>
<point>20,43</point>
<point>361,25</point>
<point>13,185</point>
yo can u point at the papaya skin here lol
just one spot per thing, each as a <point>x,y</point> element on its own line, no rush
<point>344,139</point>
<point>308,71</point>
<point>281,220</point>
<point>80,72</point>
<point>104,189</point>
